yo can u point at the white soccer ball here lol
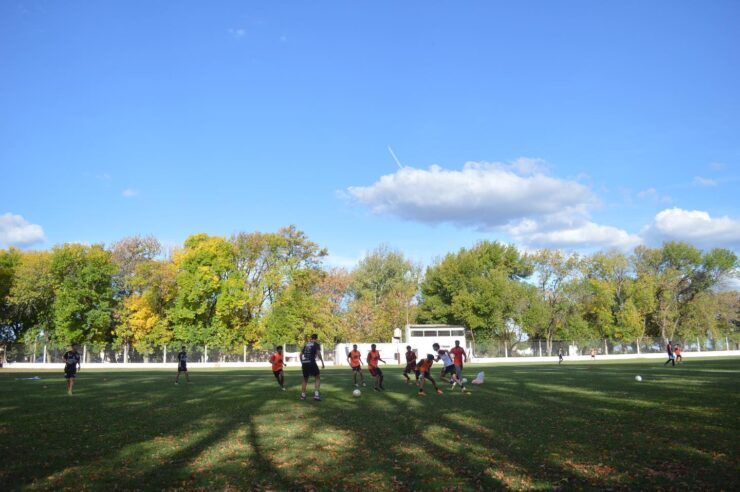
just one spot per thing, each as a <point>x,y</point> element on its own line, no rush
<point>356,393</point>
<point>638,378</point>
<point>465,380</point>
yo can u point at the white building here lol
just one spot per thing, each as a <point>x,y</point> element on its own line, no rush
<point>422,337</point>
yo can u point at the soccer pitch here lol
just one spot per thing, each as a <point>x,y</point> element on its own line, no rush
<point>537,426</point>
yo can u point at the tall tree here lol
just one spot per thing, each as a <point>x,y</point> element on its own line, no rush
<point>84,295</point>
<point>383,286</point>
<point>471,286</point>
<point>554,271</point>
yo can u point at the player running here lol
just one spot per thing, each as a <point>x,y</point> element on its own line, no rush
<point>373,357</point>
<point>355,362</point>
<point>410,365</point>
<point>182,365</point>
<point>458,355</point>
<point>309,352</point>
<point>71,365</point>
<point>449,368</point>
<point>278,362</point>
<point>424,372</point>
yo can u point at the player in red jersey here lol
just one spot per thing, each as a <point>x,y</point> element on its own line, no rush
<point>355,362</point>
<point>373,357</point>
<point>278,363</point>
<point>458,355</point>
<point>410,365</point>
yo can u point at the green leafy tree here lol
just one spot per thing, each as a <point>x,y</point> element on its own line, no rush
<point>84,295</point>
<point>472,288</point>
<point>383,287</point>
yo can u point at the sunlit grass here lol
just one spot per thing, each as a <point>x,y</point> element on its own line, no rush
<point>539,426</point>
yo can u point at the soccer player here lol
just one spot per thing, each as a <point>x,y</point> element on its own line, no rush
<point>560,355</point>
<point>278,363</point>
<point>424,372</point>
<point>449,368</point>
<point>410,365</point>
<point>309,352</point>
<point>458,355</point>
<point>677,353</point>
<point>71,365</point>
<point>373,357</point>
<point>182,365</point>
<point>355,362</point>
<point>671,357</point>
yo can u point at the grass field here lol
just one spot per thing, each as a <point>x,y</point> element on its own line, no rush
<point>538,426</point>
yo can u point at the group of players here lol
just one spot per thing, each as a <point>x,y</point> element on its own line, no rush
<point>452,366</point>
<point>452,361</point>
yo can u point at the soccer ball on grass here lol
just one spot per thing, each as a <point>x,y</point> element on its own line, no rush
<point>638,378</point>
<point>356,393</point>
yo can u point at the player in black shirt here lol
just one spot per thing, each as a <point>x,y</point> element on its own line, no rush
<point>182,365</point>
<point>309,352</point>
<point>71,365</point>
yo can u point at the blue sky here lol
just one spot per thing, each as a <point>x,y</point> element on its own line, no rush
<point>576,125</point>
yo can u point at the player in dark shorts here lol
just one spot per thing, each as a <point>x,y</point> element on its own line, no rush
<point>182,365</point>
<point>309,352</point>
<point>410,365</point>
<point>449,368</point>
<point>278,363</point>
<point>355,362</point>
<point>671,358</point>
<point>424,372</point>
<point>373,357</point>
<point>560,355</point>
<point>71,365</point>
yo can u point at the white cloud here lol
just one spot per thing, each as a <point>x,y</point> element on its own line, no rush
<point>694,226</point>
<point>237,32</point>
<point>562,231</point>
<point>17,231</point>
<point>483,195</point>
<point>129,193</point>
<point>700,181</point>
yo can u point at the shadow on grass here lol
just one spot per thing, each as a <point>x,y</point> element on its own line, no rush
<point>524,429</point>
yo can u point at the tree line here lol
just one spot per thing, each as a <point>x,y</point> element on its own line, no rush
<point>262,289</point>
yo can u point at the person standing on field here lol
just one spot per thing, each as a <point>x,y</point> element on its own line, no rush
<point>560,355</point>
<point>71,365</point>
<point>410,365</point>
<point>182,365</point>
<point>355,362</point>
<point>309,353</point>
<point>458,355</point>
<point>373,357</point>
